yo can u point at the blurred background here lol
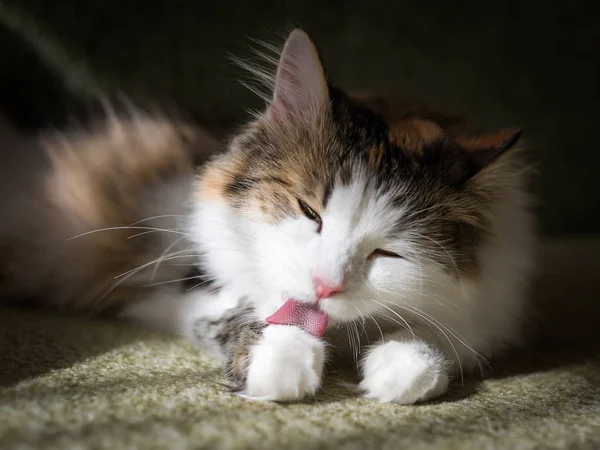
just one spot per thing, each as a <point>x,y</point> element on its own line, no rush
<point>529,64</point>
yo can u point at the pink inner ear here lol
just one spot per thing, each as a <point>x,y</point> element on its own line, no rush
<point>300,85</point>
<point>307,316</point>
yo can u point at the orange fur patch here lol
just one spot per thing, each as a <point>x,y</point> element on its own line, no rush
<point>412,134</point>
<point>211,185</point>
<point>485,141</point>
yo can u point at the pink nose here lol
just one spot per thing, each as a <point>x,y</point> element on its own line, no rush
<point>324,289</point>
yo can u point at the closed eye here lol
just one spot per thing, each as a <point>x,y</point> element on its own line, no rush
<point>380,253</point>
<point>311,214</point>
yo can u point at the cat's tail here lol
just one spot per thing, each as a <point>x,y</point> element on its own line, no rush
<point>92,218</point>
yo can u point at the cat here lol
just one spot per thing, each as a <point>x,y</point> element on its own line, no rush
<point>330,227</point>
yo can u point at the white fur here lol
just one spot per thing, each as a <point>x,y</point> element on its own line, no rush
<point>286,364</point>
<point>404,372</point>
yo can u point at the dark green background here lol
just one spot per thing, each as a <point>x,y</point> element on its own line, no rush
<point>529,64</point>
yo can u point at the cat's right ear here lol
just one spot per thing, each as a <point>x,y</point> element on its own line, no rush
<point>301,90</point>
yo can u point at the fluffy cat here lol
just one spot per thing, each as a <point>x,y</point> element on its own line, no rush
<point>331,227</point>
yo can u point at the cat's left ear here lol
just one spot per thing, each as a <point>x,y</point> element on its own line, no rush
<point>300,86</point>
<point>484,149</point>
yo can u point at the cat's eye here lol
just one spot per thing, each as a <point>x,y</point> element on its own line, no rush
<point>311,214</point>
<point>380,253</point>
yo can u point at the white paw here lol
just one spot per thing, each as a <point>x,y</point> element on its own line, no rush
<point>286,364</point>
<point>404,373</point>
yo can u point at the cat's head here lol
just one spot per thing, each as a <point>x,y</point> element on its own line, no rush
<point>320,199</point>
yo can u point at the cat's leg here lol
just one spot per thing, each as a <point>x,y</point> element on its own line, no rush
<point>270,362</point>
<point>404,369</point>
<point>285,364</point>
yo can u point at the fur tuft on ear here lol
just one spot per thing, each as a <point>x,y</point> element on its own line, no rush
<point>300,86</point>
<point>485,148</point>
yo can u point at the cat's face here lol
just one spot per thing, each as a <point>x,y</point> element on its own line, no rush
<point>320,200</point>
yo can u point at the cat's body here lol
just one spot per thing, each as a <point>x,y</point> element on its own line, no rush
<point>130,176</point>
<point>408,239</point>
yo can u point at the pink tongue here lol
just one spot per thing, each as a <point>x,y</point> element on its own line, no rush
<point>308,317</point>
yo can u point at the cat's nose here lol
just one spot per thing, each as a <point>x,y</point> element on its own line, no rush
<point>324,289</point>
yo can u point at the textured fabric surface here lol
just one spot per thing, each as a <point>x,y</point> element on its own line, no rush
<point>72,383</point>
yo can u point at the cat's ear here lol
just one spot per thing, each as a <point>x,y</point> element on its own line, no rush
<point>483,149</point>
<point>300,86</point>
<point>475,154</point>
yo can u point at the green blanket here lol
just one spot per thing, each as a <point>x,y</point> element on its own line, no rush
<point>71,383</point>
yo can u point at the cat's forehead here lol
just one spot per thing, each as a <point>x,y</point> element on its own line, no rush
<point>270,168</point>
<point>352,140</point>
<point>352,147</point>
<point>361,206</point>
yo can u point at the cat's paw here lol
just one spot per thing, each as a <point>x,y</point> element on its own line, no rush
<point>286,364</point>
<point>404,373</point>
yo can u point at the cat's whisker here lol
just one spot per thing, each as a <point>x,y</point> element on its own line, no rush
<point>350,339</point>
<point>147,232</point>
<point>123,278</point>
<point>406,324</point>
<point>447,338</point>
<point>141,234</point>
<point>362,318</point>
<point>357,334</point>
<point>423,315</point>
<point>116,285</point>
<point>167,249</point>
<point>160,283</point>
<point>372,317</point>
<point>354,344</point>
<point>174,255</point>
<point>126,228</point>
<point>183,265</point>
<point>200,284</point>
<point>450,330</point>
<point>426,317</point>
<point>384,315</point>
<point>162,216</point>
<point>459,338</point>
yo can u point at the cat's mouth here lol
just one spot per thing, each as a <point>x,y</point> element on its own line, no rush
<point>308,316</point>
